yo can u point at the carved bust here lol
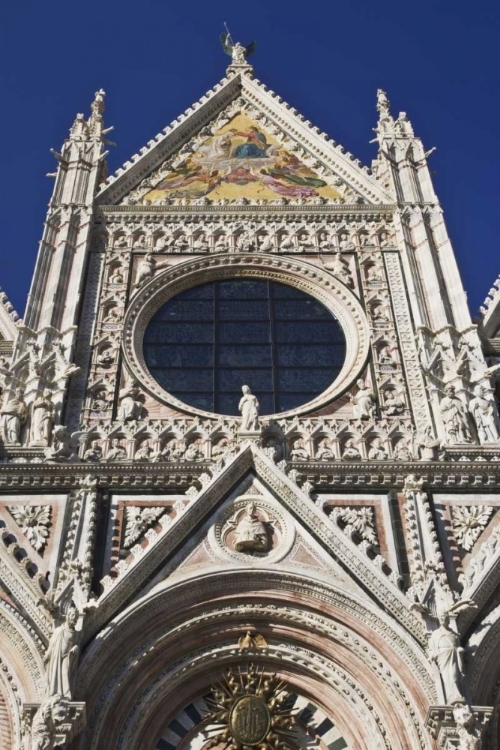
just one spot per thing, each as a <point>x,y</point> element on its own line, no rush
<point>250,533</point>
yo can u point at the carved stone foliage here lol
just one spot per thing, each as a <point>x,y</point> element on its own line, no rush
<point>138,519</point>
<point>34,522</point>
<point>468,523</point>
<point>356,522</point>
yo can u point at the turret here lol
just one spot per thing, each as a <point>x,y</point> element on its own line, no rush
<point>55,291</point>
<point>44,348</point>
<point>438,297</point>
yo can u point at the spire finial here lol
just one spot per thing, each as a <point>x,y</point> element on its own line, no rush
<point>236,51</point>
<point>97,108</point>
<point>383,104</point>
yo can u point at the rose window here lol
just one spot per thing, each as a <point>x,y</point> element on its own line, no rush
<point>205,343</point>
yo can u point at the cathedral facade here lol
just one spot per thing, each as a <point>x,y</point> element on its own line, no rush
<point>250,454</point>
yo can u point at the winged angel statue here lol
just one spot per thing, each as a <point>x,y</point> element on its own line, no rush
<point>238,52</point>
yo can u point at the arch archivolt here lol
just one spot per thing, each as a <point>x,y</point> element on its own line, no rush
<point>338,646</point>
<point>298,273</point>
<point>22,652</point>
<point>21,672</point>
<point>361,721</point>
<point>485,664</point>
<point>10,707</point>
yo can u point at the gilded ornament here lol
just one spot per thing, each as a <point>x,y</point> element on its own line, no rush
<point>249,709</point>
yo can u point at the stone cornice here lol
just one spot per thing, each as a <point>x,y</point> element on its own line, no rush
<point>130,475</point>
<point>341,212</point>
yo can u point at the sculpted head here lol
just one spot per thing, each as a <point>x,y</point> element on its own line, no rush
<point>479,391</point>
<point>246,390</point>
<point>450,391</point>
<point>444,619</point>
<point>72,617</point>
<point>251,509</point>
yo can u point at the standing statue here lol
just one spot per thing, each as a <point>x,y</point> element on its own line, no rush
<point>364,402</point>
<point>250,533</point>
<point>62,657</point>
<point>13,415</point>
<point>449,656</point>
<point>146,269</point>
<point>383,103</point>
<point>454,416</point>
<point>43,418</point>
<point>249,408</point>
<point>483,412</point>
<point>130,408</point>
<point>237,52</point>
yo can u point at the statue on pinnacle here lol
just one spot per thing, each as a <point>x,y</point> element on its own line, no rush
<point>237,52</point>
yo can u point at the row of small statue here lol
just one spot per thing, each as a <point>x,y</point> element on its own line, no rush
<point>247,242</point>
<point>225,447</point>
<point>149,265</point>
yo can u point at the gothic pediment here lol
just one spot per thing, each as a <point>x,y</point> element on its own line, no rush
<point>217,525</point>
<point>241,142</point>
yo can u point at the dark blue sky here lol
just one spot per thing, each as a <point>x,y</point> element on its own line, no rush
<point>438,60</point>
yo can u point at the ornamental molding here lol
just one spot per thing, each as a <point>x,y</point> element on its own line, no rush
<point>26,591</point>
<point>333,626</point>
<point>482,577</point>
<point>218,618</point>
<point>24,642</point>
<point>406,335</point>
<point>326,288</point>
<point>297,211</point>
<point>298,661</point>
<point>460,474</point>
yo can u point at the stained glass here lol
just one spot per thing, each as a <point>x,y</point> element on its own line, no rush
<point>208,341</point>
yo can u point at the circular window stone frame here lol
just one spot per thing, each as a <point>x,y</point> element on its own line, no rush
<point>316,282</point>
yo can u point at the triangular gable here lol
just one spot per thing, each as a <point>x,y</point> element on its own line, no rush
<point>292,546</point>
<point>147,562</point>
<point>305,147</point>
